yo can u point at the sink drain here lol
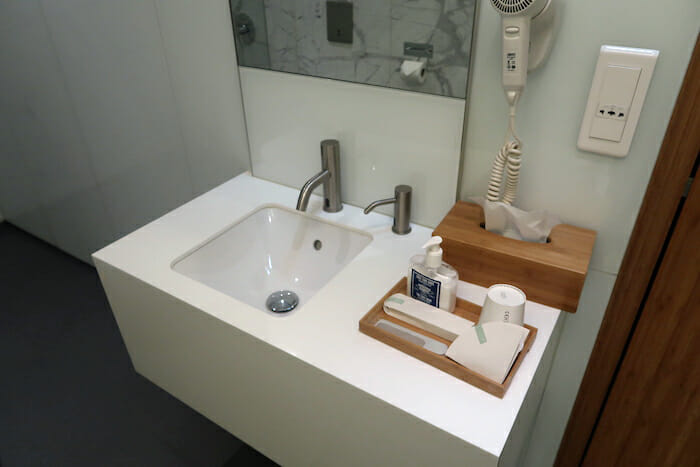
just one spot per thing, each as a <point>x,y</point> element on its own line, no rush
<point>282,301</point>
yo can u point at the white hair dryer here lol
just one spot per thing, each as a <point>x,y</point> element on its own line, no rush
<point>527,28</point>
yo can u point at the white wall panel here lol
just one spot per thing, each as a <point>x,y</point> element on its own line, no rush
<point>201,57</point>
<point>115,70</point>
<point>598,192</point>
<point>575,345</point>
<point>585,189</point>
<point>387,137</point>
<point>113,113</point>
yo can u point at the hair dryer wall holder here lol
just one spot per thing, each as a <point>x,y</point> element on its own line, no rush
<point>543,29</point>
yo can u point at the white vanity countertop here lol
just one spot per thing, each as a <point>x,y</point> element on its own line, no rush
<point>324,331</point>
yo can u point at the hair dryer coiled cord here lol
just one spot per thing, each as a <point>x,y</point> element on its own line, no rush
<point>507,164</point>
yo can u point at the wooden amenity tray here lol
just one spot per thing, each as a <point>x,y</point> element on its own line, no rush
<point>464,309</point>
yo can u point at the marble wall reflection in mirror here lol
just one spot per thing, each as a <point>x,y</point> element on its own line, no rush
<point>293,36</point>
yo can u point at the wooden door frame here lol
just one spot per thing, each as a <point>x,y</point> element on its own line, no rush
<point>652,412</point>
<point>674,164</point>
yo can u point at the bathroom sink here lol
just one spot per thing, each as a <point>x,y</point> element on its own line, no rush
<point>273,249</point>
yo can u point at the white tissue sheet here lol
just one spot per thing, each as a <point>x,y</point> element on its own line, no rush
<point>511,222</point>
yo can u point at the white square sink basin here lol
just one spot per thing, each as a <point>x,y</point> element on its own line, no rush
<point>273,248</point>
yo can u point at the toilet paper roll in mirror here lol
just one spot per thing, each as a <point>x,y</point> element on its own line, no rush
<point>413,71</point>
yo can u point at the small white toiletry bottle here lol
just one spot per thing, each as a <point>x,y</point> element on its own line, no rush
<point>432,281</point>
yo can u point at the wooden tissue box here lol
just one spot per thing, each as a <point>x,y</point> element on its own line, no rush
<point>549,273</point>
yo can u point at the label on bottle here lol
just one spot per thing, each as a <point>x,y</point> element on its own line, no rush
<point>425,289</point>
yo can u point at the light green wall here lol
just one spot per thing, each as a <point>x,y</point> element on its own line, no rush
<point>585,189</point>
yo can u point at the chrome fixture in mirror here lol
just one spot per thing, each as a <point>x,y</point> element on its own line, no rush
<point>244,29</point>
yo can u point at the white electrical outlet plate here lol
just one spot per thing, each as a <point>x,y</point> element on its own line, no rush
<point>620,84</point>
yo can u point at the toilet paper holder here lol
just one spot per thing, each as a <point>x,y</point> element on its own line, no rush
<point>417,49</point>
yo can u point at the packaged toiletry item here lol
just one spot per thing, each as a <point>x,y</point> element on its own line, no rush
<point>413,337</point>
<point>489,349</point>
<point>432,281</point>
<point>434,320</point>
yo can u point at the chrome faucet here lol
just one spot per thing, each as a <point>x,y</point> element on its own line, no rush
<point>402,208</point>
<point>329,176</point>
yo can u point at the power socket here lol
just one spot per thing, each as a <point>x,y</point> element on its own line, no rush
<point>612,111</point>
<point>615,101</point>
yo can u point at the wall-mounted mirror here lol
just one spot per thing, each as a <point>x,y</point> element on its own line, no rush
<point>416,45</point>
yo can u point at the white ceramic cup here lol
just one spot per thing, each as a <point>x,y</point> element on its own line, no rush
<point>504,303</point>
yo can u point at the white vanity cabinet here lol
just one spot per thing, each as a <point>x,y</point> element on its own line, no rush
<point>308,388</point>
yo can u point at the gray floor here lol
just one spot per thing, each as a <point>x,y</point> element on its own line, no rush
<point>68,393</point>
